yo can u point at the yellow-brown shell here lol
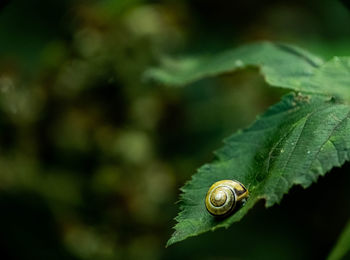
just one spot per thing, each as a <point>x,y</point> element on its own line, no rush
<point>223,196</point>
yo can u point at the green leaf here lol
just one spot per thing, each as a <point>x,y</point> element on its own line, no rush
<point>342,247</point>
<point>333,78</point>
<point>294,142</point>
<point>282,66</point>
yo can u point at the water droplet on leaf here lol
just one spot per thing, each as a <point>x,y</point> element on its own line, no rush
<point>239,63</point>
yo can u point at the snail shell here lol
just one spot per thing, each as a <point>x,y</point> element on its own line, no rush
<point>223,196</point>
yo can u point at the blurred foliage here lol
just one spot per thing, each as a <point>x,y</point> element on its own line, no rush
<point>342,247</point>
<point>91,157</point>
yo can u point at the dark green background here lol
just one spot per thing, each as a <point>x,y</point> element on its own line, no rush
<point>92,156</point>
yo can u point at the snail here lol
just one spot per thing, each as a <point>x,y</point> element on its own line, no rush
<point>223,196</point>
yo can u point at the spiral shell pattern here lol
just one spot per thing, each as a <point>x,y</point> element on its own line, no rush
<point>223,196</point>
